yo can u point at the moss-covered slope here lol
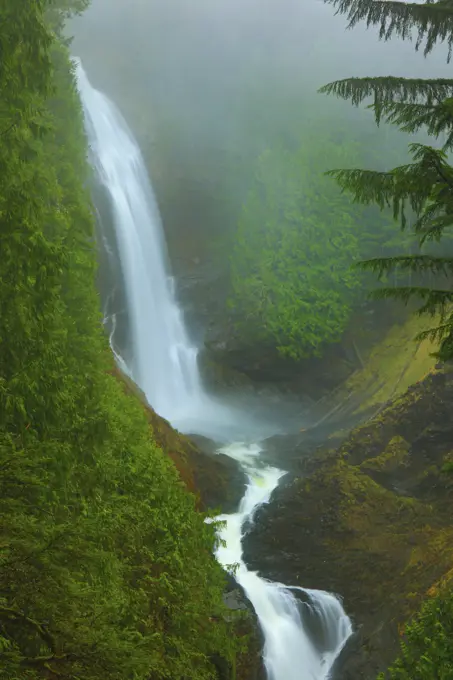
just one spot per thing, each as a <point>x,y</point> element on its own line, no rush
<point>106,565</point>
<point>216,480</point>
<point>371,520</point>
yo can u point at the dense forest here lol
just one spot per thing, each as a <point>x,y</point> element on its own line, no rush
<point>107,569</point>
<point>293,285</point>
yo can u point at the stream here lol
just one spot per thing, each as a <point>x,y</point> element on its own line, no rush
<point>304,630</point>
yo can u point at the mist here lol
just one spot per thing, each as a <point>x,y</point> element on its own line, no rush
<point>207,84</point>
<point>209,58</point>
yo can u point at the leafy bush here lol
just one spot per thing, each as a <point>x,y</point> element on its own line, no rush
<point>427,652</point>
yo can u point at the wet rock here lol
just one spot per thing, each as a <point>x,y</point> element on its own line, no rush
<point>294,452</point>
<point>235,599</point>
<point>249,665</point>
<point>370,520</point>
<point>219,479</point>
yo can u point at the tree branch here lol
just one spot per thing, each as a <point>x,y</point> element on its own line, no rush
<point>386,89</point>
<point>8,129</point>
<point>432,20</point>
<point>14,614</point>
<point>448,181</point>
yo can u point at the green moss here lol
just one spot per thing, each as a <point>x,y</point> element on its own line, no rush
<point>392,365</point>
<point>394,456</point>
<point>448,457</point>
<point>106,567</point>
<point>393,543</point>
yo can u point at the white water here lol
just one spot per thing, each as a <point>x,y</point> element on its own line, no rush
<point>164,365</point>
<point>290,652</point>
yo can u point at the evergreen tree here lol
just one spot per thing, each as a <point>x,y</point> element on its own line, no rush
<point>426,652</point>
<point>290,270</point>
<point>420,193</point>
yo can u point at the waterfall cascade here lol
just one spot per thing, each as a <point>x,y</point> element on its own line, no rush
<point>303,636</point>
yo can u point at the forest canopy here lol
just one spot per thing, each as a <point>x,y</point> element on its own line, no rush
<point>296,239</point>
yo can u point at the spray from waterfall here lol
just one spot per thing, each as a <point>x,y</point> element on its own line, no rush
<point>164,364</point>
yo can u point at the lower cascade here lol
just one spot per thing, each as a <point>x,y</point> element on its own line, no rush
<point>304,630</point>
<point>302,638</point>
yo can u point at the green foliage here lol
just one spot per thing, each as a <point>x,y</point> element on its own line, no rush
<point>390,90</point>
<point>420,193</point>
<point>106,569</point>
<point>24,65</point>
<point>426,651</point>
<point>297,236</point>
<point>432,20</point>
<point>58,11</point>
<point>292,283</point>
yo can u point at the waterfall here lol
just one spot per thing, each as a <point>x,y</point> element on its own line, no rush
<point>302,638</point>
<point>164,363</point>
<point>292,648</point>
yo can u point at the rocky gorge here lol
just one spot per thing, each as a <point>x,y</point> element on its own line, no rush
<point>364,509</point>
<point>369,519</point>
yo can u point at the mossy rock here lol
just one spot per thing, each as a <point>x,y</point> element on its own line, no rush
<point>216,480</point>
<point>370,520</point>
<point>394,456</point>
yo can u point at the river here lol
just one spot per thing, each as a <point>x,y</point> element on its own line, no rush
<point>303,635</point>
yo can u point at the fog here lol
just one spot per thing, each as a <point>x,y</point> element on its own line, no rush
<point>208,84</point>
<point>210,57</point>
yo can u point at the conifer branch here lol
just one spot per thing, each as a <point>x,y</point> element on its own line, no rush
<point>433,21</point>
<point>436,117</point>
<point>23,560</point>
<point>444,170</point>
<point>367,186</point>
<point>437,333</point>
<point>386,89</point>
<point>14,614</point>
<point>413,263</point>
<point>428,179</point>
<point>8,129</point>
<point>435,301</point>
<point>431,225</point>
